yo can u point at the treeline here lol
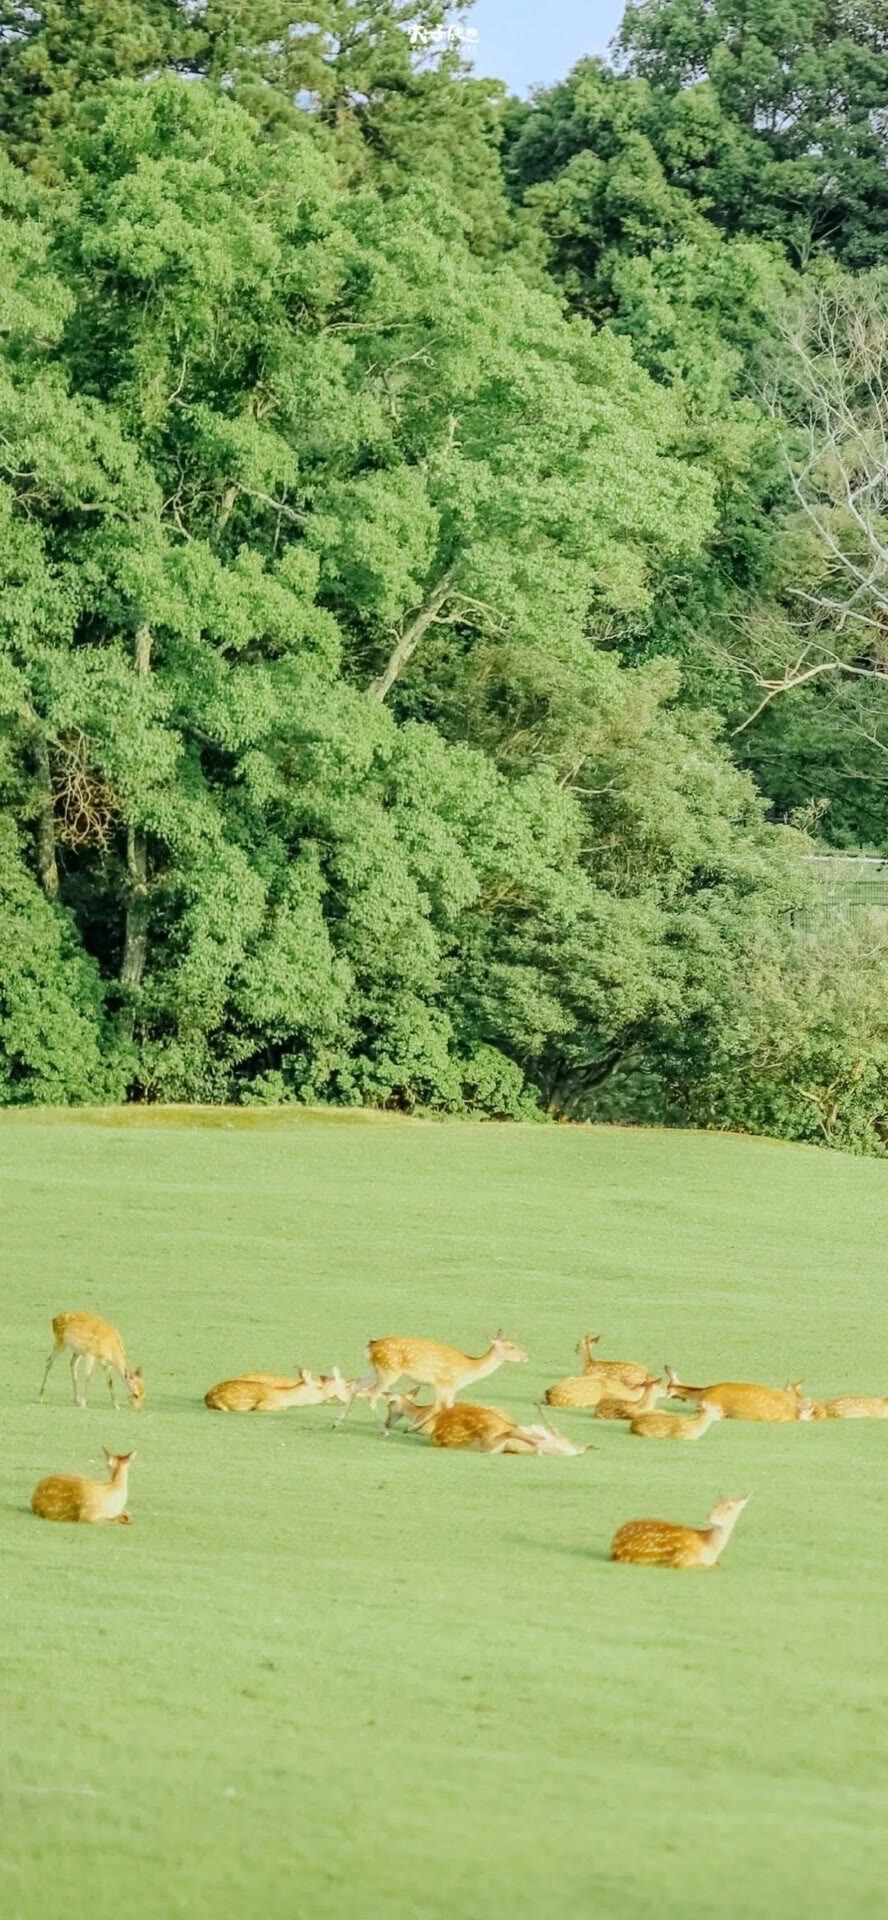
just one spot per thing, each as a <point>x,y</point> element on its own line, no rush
<point>444,564</point>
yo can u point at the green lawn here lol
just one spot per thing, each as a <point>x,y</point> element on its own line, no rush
<point>324,1674</point>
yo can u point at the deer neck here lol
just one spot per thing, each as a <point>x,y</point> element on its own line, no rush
<point>118,1488</point>
<point>485,1364</point>
<point>718,1537</point>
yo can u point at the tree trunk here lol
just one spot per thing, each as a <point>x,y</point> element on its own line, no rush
<point>46,838</point>
<point>406,647</point>
<point>135,939</point>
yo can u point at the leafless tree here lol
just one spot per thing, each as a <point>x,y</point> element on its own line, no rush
<point>829,392</point>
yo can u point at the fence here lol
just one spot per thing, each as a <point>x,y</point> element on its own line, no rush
<point>850,883</point>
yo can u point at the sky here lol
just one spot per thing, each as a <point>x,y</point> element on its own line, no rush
<point>535,42</point>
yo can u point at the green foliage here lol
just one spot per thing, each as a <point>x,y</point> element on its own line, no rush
<point>338,568</point>
<point>56,1048</point>
<point>773,116</point>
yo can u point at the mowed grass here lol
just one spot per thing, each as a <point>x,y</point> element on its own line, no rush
<point>325,1674</point>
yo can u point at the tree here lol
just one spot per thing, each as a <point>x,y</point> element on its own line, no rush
<point>382,84</point>
<point>773,115</point>
<point>310,514</point>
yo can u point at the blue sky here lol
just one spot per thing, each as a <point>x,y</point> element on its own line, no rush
<point>533,42</point>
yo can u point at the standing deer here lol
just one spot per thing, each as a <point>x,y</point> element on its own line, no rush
<point>65,1496</point>
<point>660,1543</point>
<point>631,1371</point>
<point>745,1399</point>
<point>429,1364</point>
<point>91,1339</point>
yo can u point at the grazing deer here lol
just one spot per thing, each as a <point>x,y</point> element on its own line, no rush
<point>257,1396</point>
<point>590,1389</point>
<point>676,1426</point>
<point>744,1399</point>
<point>631,1371</point>
<point>623,1406</point>
<point>429,1364</point>
<point>660,1543</point>
<point>856,1406</point>
<point>66,1496</point>
<point>91,1339</point>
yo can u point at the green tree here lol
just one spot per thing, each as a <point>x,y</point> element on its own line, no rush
<point>773,115</point>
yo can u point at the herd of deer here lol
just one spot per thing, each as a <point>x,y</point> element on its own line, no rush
<point>613,1389</point>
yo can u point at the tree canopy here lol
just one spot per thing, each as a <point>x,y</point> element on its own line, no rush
<point>388,577</point>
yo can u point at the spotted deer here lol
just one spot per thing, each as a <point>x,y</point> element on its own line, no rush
<point>631,1371</point>
<point>66,1496</point>
<point>624,1406</point>
<point>744,1399</point>
<point>246,1395</point>
<point>676,1426</point>
<point>591,1389</point>
<point>661,1543</point>
<point>429,1364</point>
<point>90,1339</point>
<point>857,1406</point>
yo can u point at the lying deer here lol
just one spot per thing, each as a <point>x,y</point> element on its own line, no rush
<point>65,1496</point>
<point>676,1426</point>
<point>631,1371</point>
<point>332,1385</point>
<point>745,1399</point>
<point>476,1429</point>
<point>620,1406</point>
<point>250,1395</point>
<point>429,1364</point>
<point>856,1406</point>
<point>91,1339</point>
<point>660,1543</point>
<point>592,1389</point>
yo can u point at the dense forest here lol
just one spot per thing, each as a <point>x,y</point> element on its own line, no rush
<point>444,563</point>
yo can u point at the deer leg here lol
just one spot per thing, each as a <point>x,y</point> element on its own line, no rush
<point>109,1376</point>
<point>88,1362</point>
<point>53,1356</point>
<point>75,1358</point>
<point>367,1388</point>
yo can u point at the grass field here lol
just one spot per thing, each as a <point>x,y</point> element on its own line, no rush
<point>323,1674</point>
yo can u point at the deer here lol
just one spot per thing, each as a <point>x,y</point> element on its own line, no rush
<point>488,1430</point>
<point>623,1406</point>
<point>676,1426</point>
<point>631,1371</point>
<point>745,1399</point>
<point>429,1364</point>
<point>332,1385</point>
<point>91,1339</point>
<point>590,1389</point>
<point>477,1429</point>
<point>66,1496</point>
<point>856,1406</point>
<point>259,1396</point>
<point>661,1543</point>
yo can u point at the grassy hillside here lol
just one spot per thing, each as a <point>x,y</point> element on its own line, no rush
<point>322,1673</point>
